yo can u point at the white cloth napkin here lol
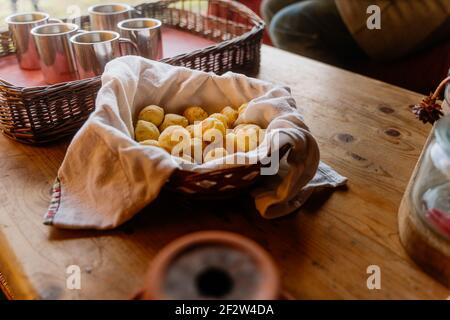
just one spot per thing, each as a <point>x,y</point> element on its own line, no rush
<point>107,177</point>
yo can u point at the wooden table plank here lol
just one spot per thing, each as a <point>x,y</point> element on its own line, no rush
<point>365,131</point>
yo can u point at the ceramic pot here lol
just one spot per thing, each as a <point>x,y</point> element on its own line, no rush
<point>211,265</point>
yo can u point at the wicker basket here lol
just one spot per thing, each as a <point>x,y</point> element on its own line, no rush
<point>43,114</point>
<point>221,183</point>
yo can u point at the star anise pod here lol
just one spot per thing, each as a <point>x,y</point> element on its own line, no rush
<point>429,110</point>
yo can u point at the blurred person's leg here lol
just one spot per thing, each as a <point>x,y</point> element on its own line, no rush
<point>270,7</point>
<point>315,29</point>
<point>440,35</point>
<point>406,26</point>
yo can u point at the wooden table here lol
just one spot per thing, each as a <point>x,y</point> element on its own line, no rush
<point>365,130</point>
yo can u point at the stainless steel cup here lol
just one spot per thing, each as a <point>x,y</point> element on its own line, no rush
<point>55,51</point>
<point>107,16</point>
<point>146,34</point>
<point>20,25</point>
<point>94,49</point>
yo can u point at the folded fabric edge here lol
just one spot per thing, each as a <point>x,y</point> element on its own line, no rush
<point>335,179</point>
<point>325,177</point>
<point>54,203</point>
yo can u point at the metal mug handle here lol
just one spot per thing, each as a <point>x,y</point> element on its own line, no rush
<point>136,13</point>
<point>125,41</point>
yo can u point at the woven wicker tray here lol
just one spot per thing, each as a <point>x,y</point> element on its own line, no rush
<point>175,42</point>
<point>42,114</point>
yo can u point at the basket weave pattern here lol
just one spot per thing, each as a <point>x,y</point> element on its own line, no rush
<point>219,183</point>
<point>47,113</point>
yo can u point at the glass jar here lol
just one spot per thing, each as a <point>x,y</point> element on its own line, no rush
<point>431,188</point>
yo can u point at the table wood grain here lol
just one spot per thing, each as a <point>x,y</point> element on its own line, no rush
<point>365,131</point>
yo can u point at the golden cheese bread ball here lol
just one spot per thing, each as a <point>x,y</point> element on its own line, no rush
<point>153,143</point>
<point>248,137</point>
<point>146,131</point>
<point>197,137</point>
<point>190,149</point>
<point>247,141</point>
<point>190,128</point>
<point>222,118</point>
<point>174,136</point>
<point>213,130</point>
<point>212,123</point>
<point>196,146</point>
<point>246,127</point>
<point>231,115</point>
<point>153,114</point>
<point>195,114</point>
<point>216,153</point>
<point>242,108</point>
<point>213,135</point>
<point>172,119</point>
<point>231,142</point>
<point>197,130</point>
